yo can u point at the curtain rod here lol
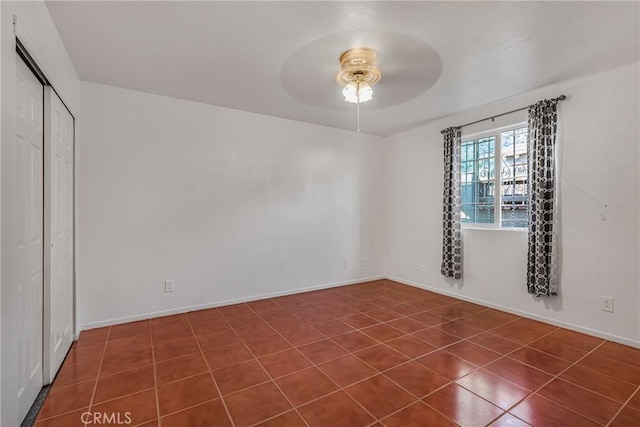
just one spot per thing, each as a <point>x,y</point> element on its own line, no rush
<point>560,98</point>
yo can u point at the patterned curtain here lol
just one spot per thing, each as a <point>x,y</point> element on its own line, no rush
<point>541,263</point>
<point>451,238</point>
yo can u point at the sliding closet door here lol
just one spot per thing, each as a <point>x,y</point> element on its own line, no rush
<point>22,235</point>
<point>58,310</point>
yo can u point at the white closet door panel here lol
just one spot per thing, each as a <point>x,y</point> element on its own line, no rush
<point>24,241</point>
<point>59,141</point>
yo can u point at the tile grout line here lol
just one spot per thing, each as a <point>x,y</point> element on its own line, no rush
<point>444,347</point>
<point>95,387</point>
<point>377,371</point>
<point>532,392</point>
<point>124,395</point>
<point>155,375</point>
<point>65,412</point>
<point>76,383</point>
<point>314,365</point>
<point>215,383</point>
<point>554,376</point>
<point>477,367</point>
<point>624,405</point>
<point>608,376</point>
<point>410,360</point>
<point>450,381</point>
<point>557,376</point>
<point>354,303</point>
<point>293,407</point>
<point>454,381</point>
<point>380,322</point>
<point>186,408</point>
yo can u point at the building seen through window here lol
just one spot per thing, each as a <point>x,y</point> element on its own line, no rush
<point>479,184</point>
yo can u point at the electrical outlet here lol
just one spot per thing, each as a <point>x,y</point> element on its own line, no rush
<point>365,261</point>
<point>416,265</point>
<point>168,285</point>
<point>606,304</point>
<point>345,263</point>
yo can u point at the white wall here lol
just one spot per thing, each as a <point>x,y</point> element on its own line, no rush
<point>229,204</point>
<point>235,206</point>
<point>2,24</point>
<point>598,142</point>
<point>45,45</point>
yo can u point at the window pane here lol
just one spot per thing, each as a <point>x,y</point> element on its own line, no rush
<point>466,167</point>
<point>467,213</point>
<point>507,139</point>
<point>513,176</point>
<point>477,176</point>
<point>485,213</point>
<point>466,192</point>
<point>486,147</point>
<point>484,170</point>
<point>468,151</point>
<point>477,213</point>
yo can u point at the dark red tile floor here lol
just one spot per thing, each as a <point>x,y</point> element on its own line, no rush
<point>378,353</point>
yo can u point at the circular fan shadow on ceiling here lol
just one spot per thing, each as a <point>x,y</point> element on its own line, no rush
<point>409,68</point>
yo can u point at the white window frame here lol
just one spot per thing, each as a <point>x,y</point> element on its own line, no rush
<point>497,219</point>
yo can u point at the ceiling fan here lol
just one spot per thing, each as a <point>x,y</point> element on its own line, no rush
<point>358,72</point>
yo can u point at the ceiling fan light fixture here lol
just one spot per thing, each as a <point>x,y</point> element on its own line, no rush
<point>356,92</point>
<point>358,72</point>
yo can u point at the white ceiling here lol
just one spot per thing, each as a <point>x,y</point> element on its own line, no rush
<point>281,58</point>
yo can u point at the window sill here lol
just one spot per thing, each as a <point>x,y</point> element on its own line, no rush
<point>511,229</point>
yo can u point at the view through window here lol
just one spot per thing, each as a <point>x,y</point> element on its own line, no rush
<point>479,183</point>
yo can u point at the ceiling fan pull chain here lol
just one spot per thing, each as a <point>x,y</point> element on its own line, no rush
<point>358,107</point>
<point>358,117</point>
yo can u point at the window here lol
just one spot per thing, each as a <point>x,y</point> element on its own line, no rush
<point>479,183</point>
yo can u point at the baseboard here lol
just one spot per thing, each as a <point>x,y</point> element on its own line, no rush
<point>572,326</point>
<point>179,310</point>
